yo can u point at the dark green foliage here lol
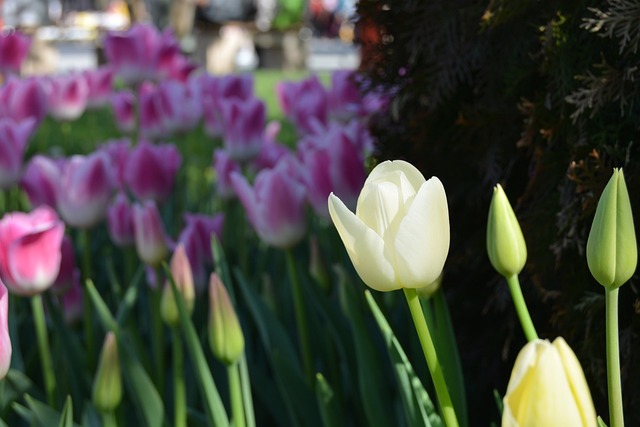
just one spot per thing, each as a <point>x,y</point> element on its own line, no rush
<point>542,97</point>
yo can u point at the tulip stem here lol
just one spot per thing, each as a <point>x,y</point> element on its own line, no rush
<point>521,308</point>
<point>616,415</point>
<point>89,336</point>
<point>429,350</point>
<point>157,337</point>
<point>301,318</point>
<point>43,348</point>
<point>235,393</point>
<point>109,419</point>
<point>179,391</point>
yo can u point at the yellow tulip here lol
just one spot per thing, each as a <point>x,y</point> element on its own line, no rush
<point>505,243</point>
<point>399,235</point>
<point>548,388</point>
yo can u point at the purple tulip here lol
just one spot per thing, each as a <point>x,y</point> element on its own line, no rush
<point>151,111</point>
<point>150,237</point>
<point>40,181</point>
<point>67,96</point>
<point>100,82</point>
<point>196,238</point>
<point>224,166</point>
<point>271,151</point>
<point>217,90</point>
<point>305,103</point>
<point>14,138</point>
<point>151,170</point>
<point>123,105</point>
<point>23,98</point>
<point>14,48</point>
<point>5,338</point>
<point>274,205</point>
<point>117,151</point>
<point>244,123</point>
<point>30,250</point>
<point>120,221</point>
<point>72,302</point>
<point>345,101</point>
<point>69,271</point>
<point>85,189</point>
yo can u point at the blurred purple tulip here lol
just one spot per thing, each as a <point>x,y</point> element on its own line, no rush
<point>5,338</point>
<point>117,151</point>
<point>69,271</point>
<point>72,302</point>
<point>40,181</point>
<point>217,90</point>
<point>243,131</point>
<point>151,170</point>
<point>150,237</point>
<point>30,251</point>
<point>120,221</point>
<point>123,104</point>
<point>196,238</point>
<point>14,137</point>
<point>275,205</point>
<point>151,111</point>
<point>23,98</point>
<point>14,48</point>
<point>224,166</point>
<point>305,103</point>
<point>85,189</point>
<point>100,82</point>
<point>67,96</point>
<point>271,151</point>
<point>345,101</point>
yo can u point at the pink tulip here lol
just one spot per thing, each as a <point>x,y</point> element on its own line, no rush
<point>23,98</point>
<point>182,105</point>
<point>69,271</point>
<point>14,48</point>
<point>271,151</point>
<point>5,338</point>
<point>151,111</point>
<point>14,137</point>
<point>117,151</point>
<point>274,206</point>
<point>100,82</point>
<point>68,95</point>
<point>123,105</point>
<point>40,181</point>
<point>150,238</point>
<point>217,90</point>
<point>85,189</point>
<point>196,238</point>
<point>30,250</point>
<point>224,166</point>
<point>305,103</point>
<point>244,123</point>
<point>120,221</point>
<point>151,170</point>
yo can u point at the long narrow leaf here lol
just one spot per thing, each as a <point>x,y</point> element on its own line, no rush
<point>66,419</point>
<point>329,408</point>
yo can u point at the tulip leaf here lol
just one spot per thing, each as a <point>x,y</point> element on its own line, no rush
<point>130,297</point>
<point>90,416</point>
<point>246,392</point>
<point>329,408</point>
<point>66,419</point>
<point>14,385</point>
<point>418,407</point>
<point>39,414</point>
<point>499,403</point>
<point>601,422</point>
<point>272,400</point>
<point>374,400</point>
<point>216,412</point>
<point>106,318</point>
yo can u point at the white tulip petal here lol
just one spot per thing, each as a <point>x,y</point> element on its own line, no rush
<point>422,240</point>
<point>414,176</point>
<point>378,205</point>
<point>364,246</point>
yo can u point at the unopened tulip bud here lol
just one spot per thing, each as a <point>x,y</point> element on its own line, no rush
<point>612,252</point>
<point>225,334</point>
<point>505,243</point>
<point>107,385</point>
<point>183,278</point>
<point>149,234</point>
<point>548,388</point>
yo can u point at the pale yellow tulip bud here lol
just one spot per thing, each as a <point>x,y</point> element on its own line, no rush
<point>225,334</point>
<point>107,384</point>
<point>183,278</point>
<point>505,243</point>
<point>548,388</point>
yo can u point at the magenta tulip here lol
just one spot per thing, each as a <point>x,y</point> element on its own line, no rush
<point>150,237</point>
<point>151,170</point>
<point>217,90</point>
<point>274,205</point>
<point>345,100</point>
<point>14,48</point>
<point>120,221</point>
<point>100,82</point>
<point>5,339</point>
<point>68,95</point>
<point>123,105</point>
<point>40,180</point>
<point>30,250</point>
<point>196,238</point>
<point>224,166</point>
<point>23,98</point>
<point>69,271</point>
<point>85,189</point>
<point>14,138</point>
<point>151,112</point>
<point>243,130</point>
<point>271,151</point>
<point>117,151</point>
<point>305,103</point>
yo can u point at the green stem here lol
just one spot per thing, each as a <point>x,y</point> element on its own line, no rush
<point>89,333</point>
<point>616,415</point>
<point>235,394</point>
<point>521,308</point>
<point>179,391</point>
<point>43,348</point>
<point>157,331</point>
<point>109,419</point>
<point>301,318</point>
<point>429,350</point>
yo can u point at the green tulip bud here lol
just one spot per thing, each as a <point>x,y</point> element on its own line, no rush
<point>225,334</point>
<point>612,253</point>
<point>107,385</point>
<point>505,243</point>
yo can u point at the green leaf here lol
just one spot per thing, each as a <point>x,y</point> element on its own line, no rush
<point>329,408</point>
<point>418,407</point>
<point>15,384</point>
<point>66,419</point>
<point>130,297</point>
<point>214,407</point>
<point>499,403</point>
<point>39,414</point>
<point>90,416</point>
<point>104,314</point>
<point>601,422</point>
